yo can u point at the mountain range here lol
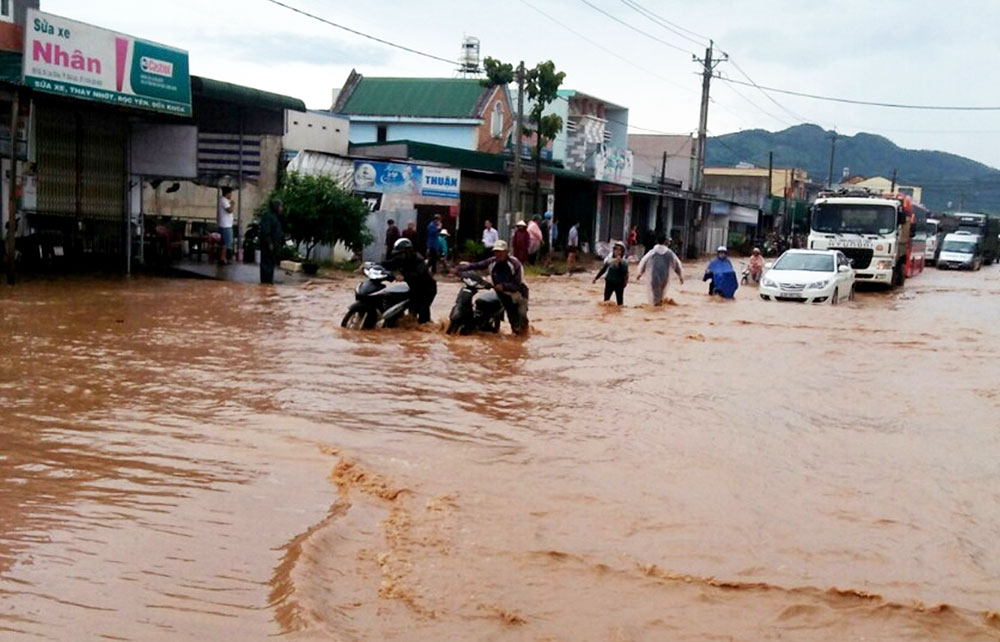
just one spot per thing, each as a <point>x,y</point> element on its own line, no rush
<point>949,181</point>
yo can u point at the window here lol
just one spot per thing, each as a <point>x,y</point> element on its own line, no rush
<point>7,10</point>
<point>496,120</point>
<point>382,134</point>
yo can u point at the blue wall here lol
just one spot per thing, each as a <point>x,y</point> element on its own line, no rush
<point>460,136</point>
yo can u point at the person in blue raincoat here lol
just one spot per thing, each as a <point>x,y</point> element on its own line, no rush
<point>721,275</point>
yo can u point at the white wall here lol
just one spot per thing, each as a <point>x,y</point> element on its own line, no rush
<point>315,132</point>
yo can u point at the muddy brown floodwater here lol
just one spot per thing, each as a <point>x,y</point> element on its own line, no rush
<point>192,460</point>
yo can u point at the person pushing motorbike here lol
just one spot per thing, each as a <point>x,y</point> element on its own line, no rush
<point>507,275</point>
<point>423,288</point>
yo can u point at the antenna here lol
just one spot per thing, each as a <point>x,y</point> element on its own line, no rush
<point>468,60</point>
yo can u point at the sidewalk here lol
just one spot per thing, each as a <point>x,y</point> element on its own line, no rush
<point>234,272</point>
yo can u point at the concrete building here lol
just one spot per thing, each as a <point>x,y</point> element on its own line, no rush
<point>750,205</point>
<point>452,112</point>
<point>316,131</point>
<point>884,185</point>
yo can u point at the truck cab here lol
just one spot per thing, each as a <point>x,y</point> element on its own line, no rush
<point>873,230</point>
<point>961,250</point>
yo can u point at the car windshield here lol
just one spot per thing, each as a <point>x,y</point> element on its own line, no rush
<point>805,262</point>
<point>962,247</point>
<point>854,219</point>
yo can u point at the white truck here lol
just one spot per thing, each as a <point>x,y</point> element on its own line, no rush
<point>873,230</point>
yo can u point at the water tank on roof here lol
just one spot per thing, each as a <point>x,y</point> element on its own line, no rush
<point>468,61</point>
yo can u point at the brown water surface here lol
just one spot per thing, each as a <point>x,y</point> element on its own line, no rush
<point>207,461</point>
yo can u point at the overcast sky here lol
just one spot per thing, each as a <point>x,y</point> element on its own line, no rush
<point>901,51</point>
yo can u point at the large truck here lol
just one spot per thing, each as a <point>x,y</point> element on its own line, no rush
<point>878,232</point>
<point>986,228</point>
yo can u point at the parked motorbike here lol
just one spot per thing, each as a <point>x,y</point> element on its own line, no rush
<point>477,307</point>
<point>377,300</point>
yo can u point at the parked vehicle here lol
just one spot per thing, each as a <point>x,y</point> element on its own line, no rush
<point>961,250</point>
<point>987,229</point>
<point>873,230</point>
<point>809,276</point>
<point>933,241</point>
<point>377,300</point>
<point>477,307</point>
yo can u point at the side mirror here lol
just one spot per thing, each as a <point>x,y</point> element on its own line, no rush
<point>845,268</point>
<point>769,265</point>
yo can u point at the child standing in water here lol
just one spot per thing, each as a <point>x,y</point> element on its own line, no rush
<point>615,273</point>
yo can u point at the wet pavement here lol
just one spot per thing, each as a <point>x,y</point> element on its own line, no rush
<point>205,460</point>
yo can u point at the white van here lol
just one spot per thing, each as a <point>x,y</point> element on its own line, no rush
<point>960,250</point>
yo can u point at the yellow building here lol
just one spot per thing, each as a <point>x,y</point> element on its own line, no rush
<point>883,185</point>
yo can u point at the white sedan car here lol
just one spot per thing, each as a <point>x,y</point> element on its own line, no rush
<point>809,276</point>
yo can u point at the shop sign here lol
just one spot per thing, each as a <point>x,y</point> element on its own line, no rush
<point>74,59</point>
<point>406,178</point>
<point>614,165</point>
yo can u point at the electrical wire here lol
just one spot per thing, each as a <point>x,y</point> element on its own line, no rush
<point>667,24</point>
<point>607,50</point>
<point>636,29</point>
<point>362,34</point>
<point>867,103</point>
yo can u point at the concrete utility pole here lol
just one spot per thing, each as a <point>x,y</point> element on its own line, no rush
<point>892,190</point>
<point>833,148</point>
<point>708,67</point>
<point>12,195</point>
<point>659,204</point>
<point>515,186</point>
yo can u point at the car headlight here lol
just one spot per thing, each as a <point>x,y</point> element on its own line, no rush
<point>768,283</point>
<point>818,285</point>
<point>884,265</point>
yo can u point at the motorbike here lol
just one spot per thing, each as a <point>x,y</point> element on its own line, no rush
<point>747,276</point>
<point>477,307</point>
<point>377,300</point>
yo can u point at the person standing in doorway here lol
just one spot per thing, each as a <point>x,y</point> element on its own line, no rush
<point>271,239</point>
<point>490,237</point>
<point>224,218</point>
<point>391,236</point>
<point>434,243</point>
<point>572,246</point>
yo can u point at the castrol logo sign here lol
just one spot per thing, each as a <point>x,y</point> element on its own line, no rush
<point>157,67</point>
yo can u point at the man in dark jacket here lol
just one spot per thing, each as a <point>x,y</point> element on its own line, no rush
<point>507,275</point>
<point>271,239</point>
<point>413,267</point>
<point>391,236</point>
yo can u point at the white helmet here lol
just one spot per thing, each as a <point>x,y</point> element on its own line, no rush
<point>402,244</point>
<point>722,249</point>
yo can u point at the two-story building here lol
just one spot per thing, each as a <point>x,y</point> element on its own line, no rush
<point>451,112</point>
<point>752,201</point>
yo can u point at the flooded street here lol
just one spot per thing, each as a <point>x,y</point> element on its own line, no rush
<point>194,460</point>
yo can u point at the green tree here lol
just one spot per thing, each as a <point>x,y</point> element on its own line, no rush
<point>318,211</point>
<point>541,87</point>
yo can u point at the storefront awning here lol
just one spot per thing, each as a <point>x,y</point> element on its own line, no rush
<point>228,92</point>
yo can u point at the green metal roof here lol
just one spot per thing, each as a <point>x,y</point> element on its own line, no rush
<point>228,92</point>
<point>10,67</point>
<point>415,97</point>
<point>453,156</point>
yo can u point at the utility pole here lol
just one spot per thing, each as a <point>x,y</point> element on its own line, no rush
<point>769,193</point>
<point>892,190</point>
<point>659,205</point>
<point>708,67</point>
<point>518,137</point>
<point>12,194</point>
<point>833,149</point>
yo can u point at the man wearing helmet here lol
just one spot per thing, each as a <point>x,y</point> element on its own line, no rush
<point>507,275</point>
<point>423,288</point>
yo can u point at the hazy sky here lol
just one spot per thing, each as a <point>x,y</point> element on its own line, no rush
<point>901,51</point>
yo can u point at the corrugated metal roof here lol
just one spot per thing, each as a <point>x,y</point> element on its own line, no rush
<point>415,97</point>
<point>453,156</point>
<point>228,92</point>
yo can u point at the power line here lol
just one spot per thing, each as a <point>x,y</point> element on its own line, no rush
<point>765,94</point>
<point>667,24</point>
<point>636,29</point>
<point>605,49</point>
<point>759,108</point>
<point>868,103</point>
<point>362,34</point>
